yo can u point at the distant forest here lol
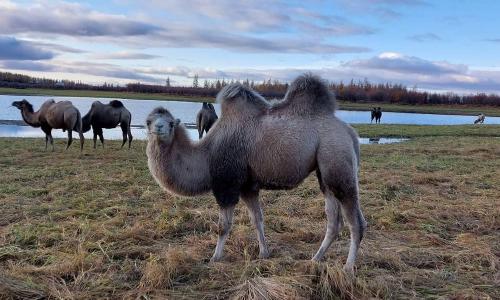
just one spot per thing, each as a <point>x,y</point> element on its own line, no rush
<point>360,91</point>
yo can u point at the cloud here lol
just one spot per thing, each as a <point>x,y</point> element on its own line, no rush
<point>14,49</point>
<point>56,47</point>
<point>123,55</point>
<point>260,26</point>
<point>399,63</point>
<point>259,16</point>
<point>84,67</point>
<point>493,40</point>
<point>26,65</point>
<point>386,9</point>
<point>425,37</point>
<point>65,18</point>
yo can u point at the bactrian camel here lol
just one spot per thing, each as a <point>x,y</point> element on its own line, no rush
<point>53,115</point>
<point>376,114</point>
<point>108,116</point>
<point>258,145</point>
<point>205,118</point>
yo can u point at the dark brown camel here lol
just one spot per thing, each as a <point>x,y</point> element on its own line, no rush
<point>51,115</point>
<point>206,118</point>
<point>376,114</point>
<point>108,116</point>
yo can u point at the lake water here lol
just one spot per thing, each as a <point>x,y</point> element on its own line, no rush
<point>186,111</point>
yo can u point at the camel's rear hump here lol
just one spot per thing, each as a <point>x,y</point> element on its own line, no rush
<point>308,94</point>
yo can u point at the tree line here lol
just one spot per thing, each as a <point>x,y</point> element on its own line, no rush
<point>354,91</point>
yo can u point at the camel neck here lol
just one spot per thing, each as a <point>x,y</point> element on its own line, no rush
<point>31,118</point>
<point>180,167</point>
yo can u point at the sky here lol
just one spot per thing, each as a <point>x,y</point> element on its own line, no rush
<point>445,45</point>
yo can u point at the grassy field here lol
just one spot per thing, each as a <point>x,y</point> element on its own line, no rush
<point>96,225</point>
<point>431,109</point>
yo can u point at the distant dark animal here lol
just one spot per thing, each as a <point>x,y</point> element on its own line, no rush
<point>106,116</point>
<point>53,115</point>
<point>206,118</point>
<point>480,119</point>
<point>376,114</point>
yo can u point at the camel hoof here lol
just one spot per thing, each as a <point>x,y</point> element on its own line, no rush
<point>215,259</point>
<point>349,270</point>
<point>264,255</point>
<point>317,258</point>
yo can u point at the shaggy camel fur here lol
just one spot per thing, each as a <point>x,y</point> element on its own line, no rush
<point>376,114</point>
<point>257,145</point>
<point>108,116</point>
<point>206,118</point>
<point>51,115</point>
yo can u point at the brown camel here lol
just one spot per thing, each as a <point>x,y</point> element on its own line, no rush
<point>206,118</point>
<point>258,145</point>
<point>108,116</point>
<point>53,115</point>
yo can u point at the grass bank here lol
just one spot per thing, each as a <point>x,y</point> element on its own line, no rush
<point>411,131</point>
<point>97,226</point>
<point>430,109</point>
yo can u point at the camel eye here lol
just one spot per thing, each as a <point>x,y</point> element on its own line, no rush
<point>148,122</point>
<point>171,124</point>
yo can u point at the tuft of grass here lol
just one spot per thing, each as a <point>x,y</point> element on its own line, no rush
<point>268,288</point>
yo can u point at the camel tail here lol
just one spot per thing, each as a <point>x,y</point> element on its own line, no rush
<point>310,92</point>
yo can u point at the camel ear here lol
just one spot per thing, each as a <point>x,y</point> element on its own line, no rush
<point>177,122</point>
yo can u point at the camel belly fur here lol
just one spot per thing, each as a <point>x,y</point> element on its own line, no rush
<point>283,157</point>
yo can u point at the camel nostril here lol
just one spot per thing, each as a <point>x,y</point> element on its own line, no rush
<point>159,127</point>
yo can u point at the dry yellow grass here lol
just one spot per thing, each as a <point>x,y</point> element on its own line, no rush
<point>96,226</point>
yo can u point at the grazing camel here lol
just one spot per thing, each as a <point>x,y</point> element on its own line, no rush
<point>480,119</point>
<point>376,114</point>
<point>108,116</point>
<point>258,145</point>
<point>206,118</point>
<point>53,115</point>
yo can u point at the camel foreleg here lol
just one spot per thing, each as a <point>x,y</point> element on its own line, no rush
<point>95,139</point>
<point>51,140</point>
<point>224,227</point>
<point>255,211</point>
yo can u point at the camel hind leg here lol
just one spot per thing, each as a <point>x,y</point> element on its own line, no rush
<point>340,182</point>
<point>70,138</point>
<point>127,135</point>
<point>334,221</point>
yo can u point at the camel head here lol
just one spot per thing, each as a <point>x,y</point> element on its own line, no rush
<point>161,125</point>
<point>23,105</point>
